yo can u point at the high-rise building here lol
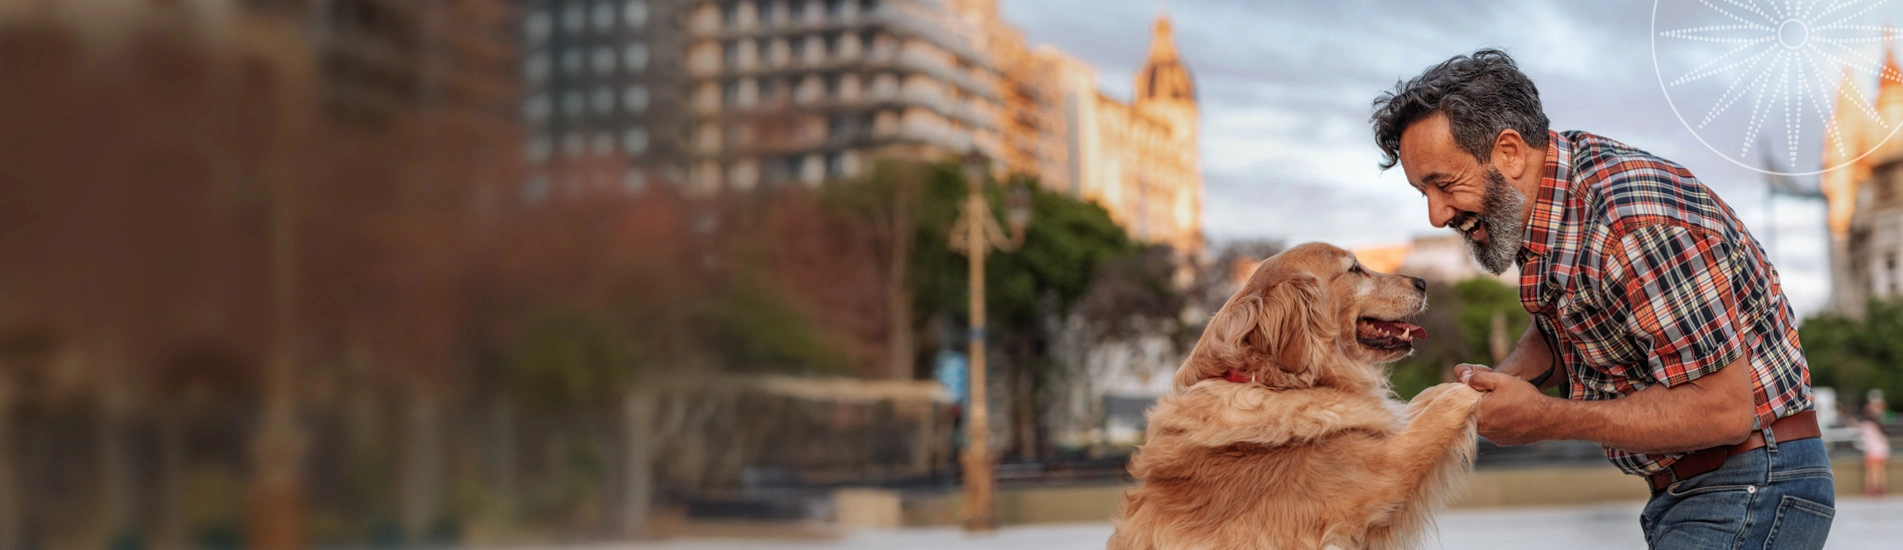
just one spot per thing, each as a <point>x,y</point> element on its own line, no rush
<point>714,95</point>
<point>1866,197</point>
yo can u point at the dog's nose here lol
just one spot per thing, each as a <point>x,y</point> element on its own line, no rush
<point>1420,284</point>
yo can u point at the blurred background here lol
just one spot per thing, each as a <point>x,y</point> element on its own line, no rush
<point>517,273</point>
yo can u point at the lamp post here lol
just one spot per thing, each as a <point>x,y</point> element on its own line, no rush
<point>976,233</point>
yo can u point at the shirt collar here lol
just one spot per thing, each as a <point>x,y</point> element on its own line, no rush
<point>1549,208</point>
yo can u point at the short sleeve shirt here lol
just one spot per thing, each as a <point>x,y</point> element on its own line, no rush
<point>1639,275</point>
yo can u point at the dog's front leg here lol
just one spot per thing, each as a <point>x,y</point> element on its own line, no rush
<point>1419,461</point>
<point>1444,421</point>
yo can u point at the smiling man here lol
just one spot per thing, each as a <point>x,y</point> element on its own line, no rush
<point>1652,306</point>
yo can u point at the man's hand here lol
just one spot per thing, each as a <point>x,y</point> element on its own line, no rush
<point>1512,411</point>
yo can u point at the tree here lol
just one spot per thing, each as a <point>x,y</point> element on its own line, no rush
<point>1066,246</point>
<point>1855,355</point>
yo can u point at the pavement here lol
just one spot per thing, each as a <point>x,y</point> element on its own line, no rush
<point>1860,523</point>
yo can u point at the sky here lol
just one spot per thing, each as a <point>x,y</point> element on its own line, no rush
<point>1285,89</point>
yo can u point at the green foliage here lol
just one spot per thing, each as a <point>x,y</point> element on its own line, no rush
<point>1458,321</point>
<point>756,329</point>
<point>567,359</point>
<point>1855,355</point>
<point>1067,243</point>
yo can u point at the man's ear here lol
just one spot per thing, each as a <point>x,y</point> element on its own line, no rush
<point>1509,154</point>
<point>1292,332</point>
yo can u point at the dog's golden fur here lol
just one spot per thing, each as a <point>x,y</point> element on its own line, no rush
<point>1312,452</point>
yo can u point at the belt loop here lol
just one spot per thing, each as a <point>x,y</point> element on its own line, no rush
<point>1770,441</point>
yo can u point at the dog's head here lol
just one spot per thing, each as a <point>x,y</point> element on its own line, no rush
<point>1310,316</point>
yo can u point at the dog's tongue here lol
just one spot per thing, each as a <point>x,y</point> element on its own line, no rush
<point>1413,332</point>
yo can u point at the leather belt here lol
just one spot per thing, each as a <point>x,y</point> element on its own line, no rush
<point>1798,426</point>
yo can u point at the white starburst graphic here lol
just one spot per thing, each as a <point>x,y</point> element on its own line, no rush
<point>1759,82</point>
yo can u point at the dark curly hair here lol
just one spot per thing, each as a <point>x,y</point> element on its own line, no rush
<point>1482,93</point>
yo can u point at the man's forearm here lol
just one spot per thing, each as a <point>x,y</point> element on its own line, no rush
<point>1530,359</point>
<point>1706,412</point>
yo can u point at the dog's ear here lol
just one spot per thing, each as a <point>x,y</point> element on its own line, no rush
<point>1279,325</point>
<point>1292,332</point>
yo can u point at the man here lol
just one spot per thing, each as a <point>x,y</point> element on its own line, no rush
<point>1652,307</point>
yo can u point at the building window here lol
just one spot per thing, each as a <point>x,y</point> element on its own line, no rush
<point>763,10</point>
<point>537,26</point>
<point>795,9</point>
<point>572,104</point>
<point>535,67</point>
<point>604,60</point>
<point>834,7</point>
<point>835,165</point>
<point>538,148</point>
<point>573,18</point>
<point>635,141</point>
<point>635,99</point>
<point>832,43</point>
<point>730,94</point>
<point>636,57</point>
<point>571,61</point>
<point>536,109</point>
<point>731,53</point>
<point>573,145</point>
<point>636,12</point>
<point>604,16</point>
<point>604,101</point>
<point>832,86</point>
<point>730,14</point>
<point>840,127</point>
<point>866,6</point>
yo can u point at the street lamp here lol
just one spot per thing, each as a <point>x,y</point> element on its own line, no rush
<point>976,233</point>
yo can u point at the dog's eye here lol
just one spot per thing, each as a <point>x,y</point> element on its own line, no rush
<point>1357,270</point>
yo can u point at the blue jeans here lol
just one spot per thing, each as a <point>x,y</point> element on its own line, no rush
<point>1775,497</point>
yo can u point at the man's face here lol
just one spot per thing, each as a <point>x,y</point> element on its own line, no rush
<point>1473,198</point>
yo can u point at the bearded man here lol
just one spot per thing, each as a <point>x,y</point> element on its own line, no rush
<point>1654,310</point>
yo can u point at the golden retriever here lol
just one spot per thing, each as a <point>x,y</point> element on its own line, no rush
<point>1282,432</point>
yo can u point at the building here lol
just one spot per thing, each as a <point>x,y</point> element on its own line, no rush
<point>735,95</point>
<point>717,95</point>
<point>1140,160</point>
<point>1866,198</point>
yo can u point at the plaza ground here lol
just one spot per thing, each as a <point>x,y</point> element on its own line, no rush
<point>1861,523</point>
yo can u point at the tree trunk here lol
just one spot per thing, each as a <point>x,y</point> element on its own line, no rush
<point>9,481</point>
<point>115,479</point>
<point>1025,412</point>
<point>898,292</point>
<point>638,414</point>
<point>172,522</point>
<point>422,468</point>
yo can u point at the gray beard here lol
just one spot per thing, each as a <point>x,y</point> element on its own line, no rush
<point>1503,208</point>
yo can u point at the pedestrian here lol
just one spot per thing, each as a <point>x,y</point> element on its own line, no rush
<point>1876,446</point>
<point>1651,303</point>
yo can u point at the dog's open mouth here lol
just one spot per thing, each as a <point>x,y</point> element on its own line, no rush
<point>1387,335</point>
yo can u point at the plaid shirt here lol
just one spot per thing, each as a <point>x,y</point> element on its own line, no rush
<point>1639,275</point>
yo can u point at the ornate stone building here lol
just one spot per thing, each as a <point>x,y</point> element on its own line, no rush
<point>1866,198</point>
<point>1139,159</point>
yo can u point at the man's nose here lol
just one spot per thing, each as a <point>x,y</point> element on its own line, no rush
<point>1438,212</point>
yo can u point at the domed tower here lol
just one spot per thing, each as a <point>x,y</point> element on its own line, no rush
<point>1164,77</point>
<point>1166,93</point>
